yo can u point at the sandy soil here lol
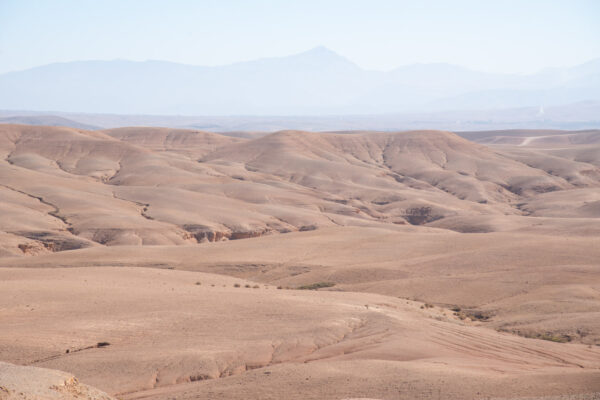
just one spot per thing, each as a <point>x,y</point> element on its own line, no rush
<point>159,263</point>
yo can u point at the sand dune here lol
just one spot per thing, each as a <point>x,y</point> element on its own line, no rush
<point>147,261</point>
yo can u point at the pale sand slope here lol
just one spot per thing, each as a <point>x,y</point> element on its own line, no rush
<point>164,330</point>
<point>31,383</point>
<point>524,283</point>
<point>535,137</point>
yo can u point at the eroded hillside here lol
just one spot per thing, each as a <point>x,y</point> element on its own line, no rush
<point>66,188</point>
<point>160,263</point>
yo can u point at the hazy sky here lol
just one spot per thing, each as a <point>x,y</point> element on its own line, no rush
<point>501,36</point>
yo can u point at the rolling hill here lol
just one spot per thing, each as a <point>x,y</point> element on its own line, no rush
<point>160,263</point>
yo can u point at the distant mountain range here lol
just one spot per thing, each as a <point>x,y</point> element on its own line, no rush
<point>316,82</point>
<point>580,115</point>
<point>45,120</point>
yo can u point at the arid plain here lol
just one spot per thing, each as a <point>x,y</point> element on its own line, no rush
<point>154,263</point>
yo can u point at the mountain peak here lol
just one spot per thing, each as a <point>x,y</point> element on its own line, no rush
<point>321,50</point>
<point>322,55</point>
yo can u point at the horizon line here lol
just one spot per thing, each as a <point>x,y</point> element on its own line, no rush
<point>311,50</point>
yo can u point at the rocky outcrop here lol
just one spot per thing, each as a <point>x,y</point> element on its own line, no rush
<point>51,241</point>
<point>32,383</point>
<point>32,248</point>
<point>420,215</point>
<point>204,233</point>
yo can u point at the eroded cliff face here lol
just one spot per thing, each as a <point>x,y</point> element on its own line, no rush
<point>204,234</point>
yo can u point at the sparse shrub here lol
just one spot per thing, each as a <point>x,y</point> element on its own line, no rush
<point>456,309</point>
<point>460,315</point>
<point>279,287</point>
<point>479,316</point>
<point>472,315</point>
<point>255,287</point>
<point>198,283</point>
<point>247,286</point>
<point>554,338</point>
<point>557,338</point>
<point>236,285</point>
<point>317,285</point>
